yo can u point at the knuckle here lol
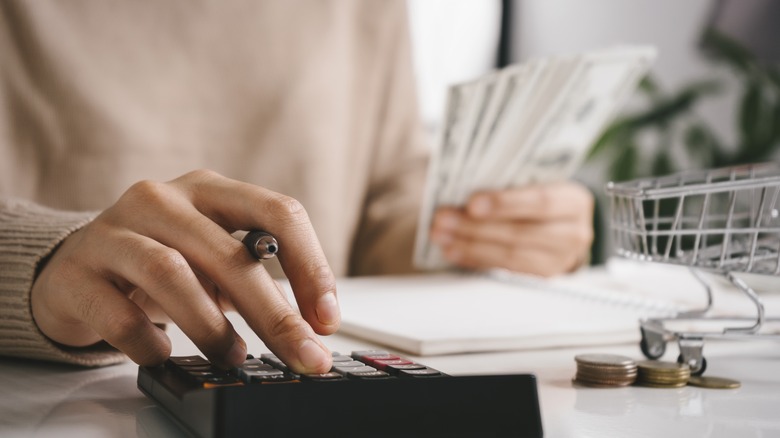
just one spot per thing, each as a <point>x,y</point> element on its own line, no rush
<point>216,331</point>
<point>201,176</point>
<point>69,270</point>
<point>165,266</point>
<point>87,307</point>
<point>323,275</point>
<point>225,253</point>
<point>287,209</point>
<point>285,324</point>
<point>147,192</point>
<point>315,270</point>
<point>124,329</point>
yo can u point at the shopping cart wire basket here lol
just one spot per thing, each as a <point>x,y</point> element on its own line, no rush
<point>724,221</point>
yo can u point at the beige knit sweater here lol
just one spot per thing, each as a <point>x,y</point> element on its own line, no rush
<point>313,99</point>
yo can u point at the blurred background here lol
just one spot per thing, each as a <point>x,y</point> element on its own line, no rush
<point>711,100</point>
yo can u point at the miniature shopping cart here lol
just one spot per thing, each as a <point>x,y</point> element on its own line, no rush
<point>724,221</point>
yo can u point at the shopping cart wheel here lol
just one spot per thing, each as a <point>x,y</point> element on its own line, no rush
<point>697,366</point>
<point>652,345</point>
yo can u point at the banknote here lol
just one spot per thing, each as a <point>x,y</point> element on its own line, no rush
<point>528,123</point>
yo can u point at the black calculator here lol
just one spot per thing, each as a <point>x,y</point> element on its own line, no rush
<point>366,393</point>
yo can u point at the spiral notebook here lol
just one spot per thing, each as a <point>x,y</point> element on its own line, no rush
<point>453,313</point>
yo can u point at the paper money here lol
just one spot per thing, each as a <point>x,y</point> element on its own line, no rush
<point>528,123</point>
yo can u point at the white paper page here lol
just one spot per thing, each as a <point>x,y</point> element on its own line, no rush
<point>450,313</point>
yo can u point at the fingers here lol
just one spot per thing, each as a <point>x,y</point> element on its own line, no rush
<point>541,248</point>
<point>73,303</point>
<point>236,205</point>
<point>280,326</point>
<point>117,320</point>
<point>197,225</point>
<point>544,230</point>
<point>165,276</point>
<point>539,202</point>
<point>168,246</point>
<point>451,224</point>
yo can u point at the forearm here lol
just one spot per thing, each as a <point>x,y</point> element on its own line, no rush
<point>28,234</point>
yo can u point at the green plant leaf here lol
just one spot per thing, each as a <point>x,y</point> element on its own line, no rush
<point>671,108</point>
<point>775,137</point>
<point>699,143</point>
<point>625,164</point>
<point>749,111</point>
<point>612,136</point>
<point>756,119</point>
<point>774,76</point>
<point>662,164</point>
<point>721,47</point>
<point>650,87</point>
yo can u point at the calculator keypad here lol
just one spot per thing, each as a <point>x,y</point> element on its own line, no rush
<point>267,369</point>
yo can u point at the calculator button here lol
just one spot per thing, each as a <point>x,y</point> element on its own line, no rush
<point>258,367</point>
<point>263,376</point>
<point>394,369</point>
<point>347,370</point>
<point>383,363</point>
<point>271,359</point>
<point>332,375</point>
<point>370,358</point>
<point>218,380</point>
<point>199,368</point>
<point>203,374</point>
<point>351,363</point>
<point>342,358</point>
<point>185,361</point>
<point>367,374</point>
<point>269,372</point>
<point>425,372</point>
<point>368,353</point>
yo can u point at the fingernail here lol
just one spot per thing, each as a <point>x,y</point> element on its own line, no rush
<point>312,357</point>
<point>480,206</point>
<point>237,353</point>
<point>328,309</point>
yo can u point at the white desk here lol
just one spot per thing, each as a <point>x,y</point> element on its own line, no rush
<point>46,400</point>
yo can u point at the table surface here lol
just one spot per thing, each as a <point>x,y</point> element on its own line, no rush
<point>50,400</point>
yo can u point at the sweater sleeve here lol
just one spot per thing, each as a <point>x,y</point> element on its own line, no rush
<point>28,234</point>
<point>385,239</point>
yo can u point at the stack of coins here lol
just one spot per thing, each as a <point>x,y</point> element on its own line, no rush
<point>657,374</point>
<point>605,370</point>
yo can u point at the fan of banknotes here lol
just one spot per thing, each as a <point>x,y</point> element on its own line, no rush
<point>528,123</point>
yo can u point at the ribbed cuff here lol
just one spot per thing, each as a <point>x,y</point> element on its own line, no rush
<point>28,234</point>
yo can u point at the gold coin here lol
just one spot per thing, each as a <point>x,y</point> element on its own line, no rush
<point>663,378</point>
<point>658,365</point>
<point>600,385</point>
<point>665,369</point>
<point>593,378</point>
<point>608,360</point>
<point>713,382</point>
<point>605,376</point>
